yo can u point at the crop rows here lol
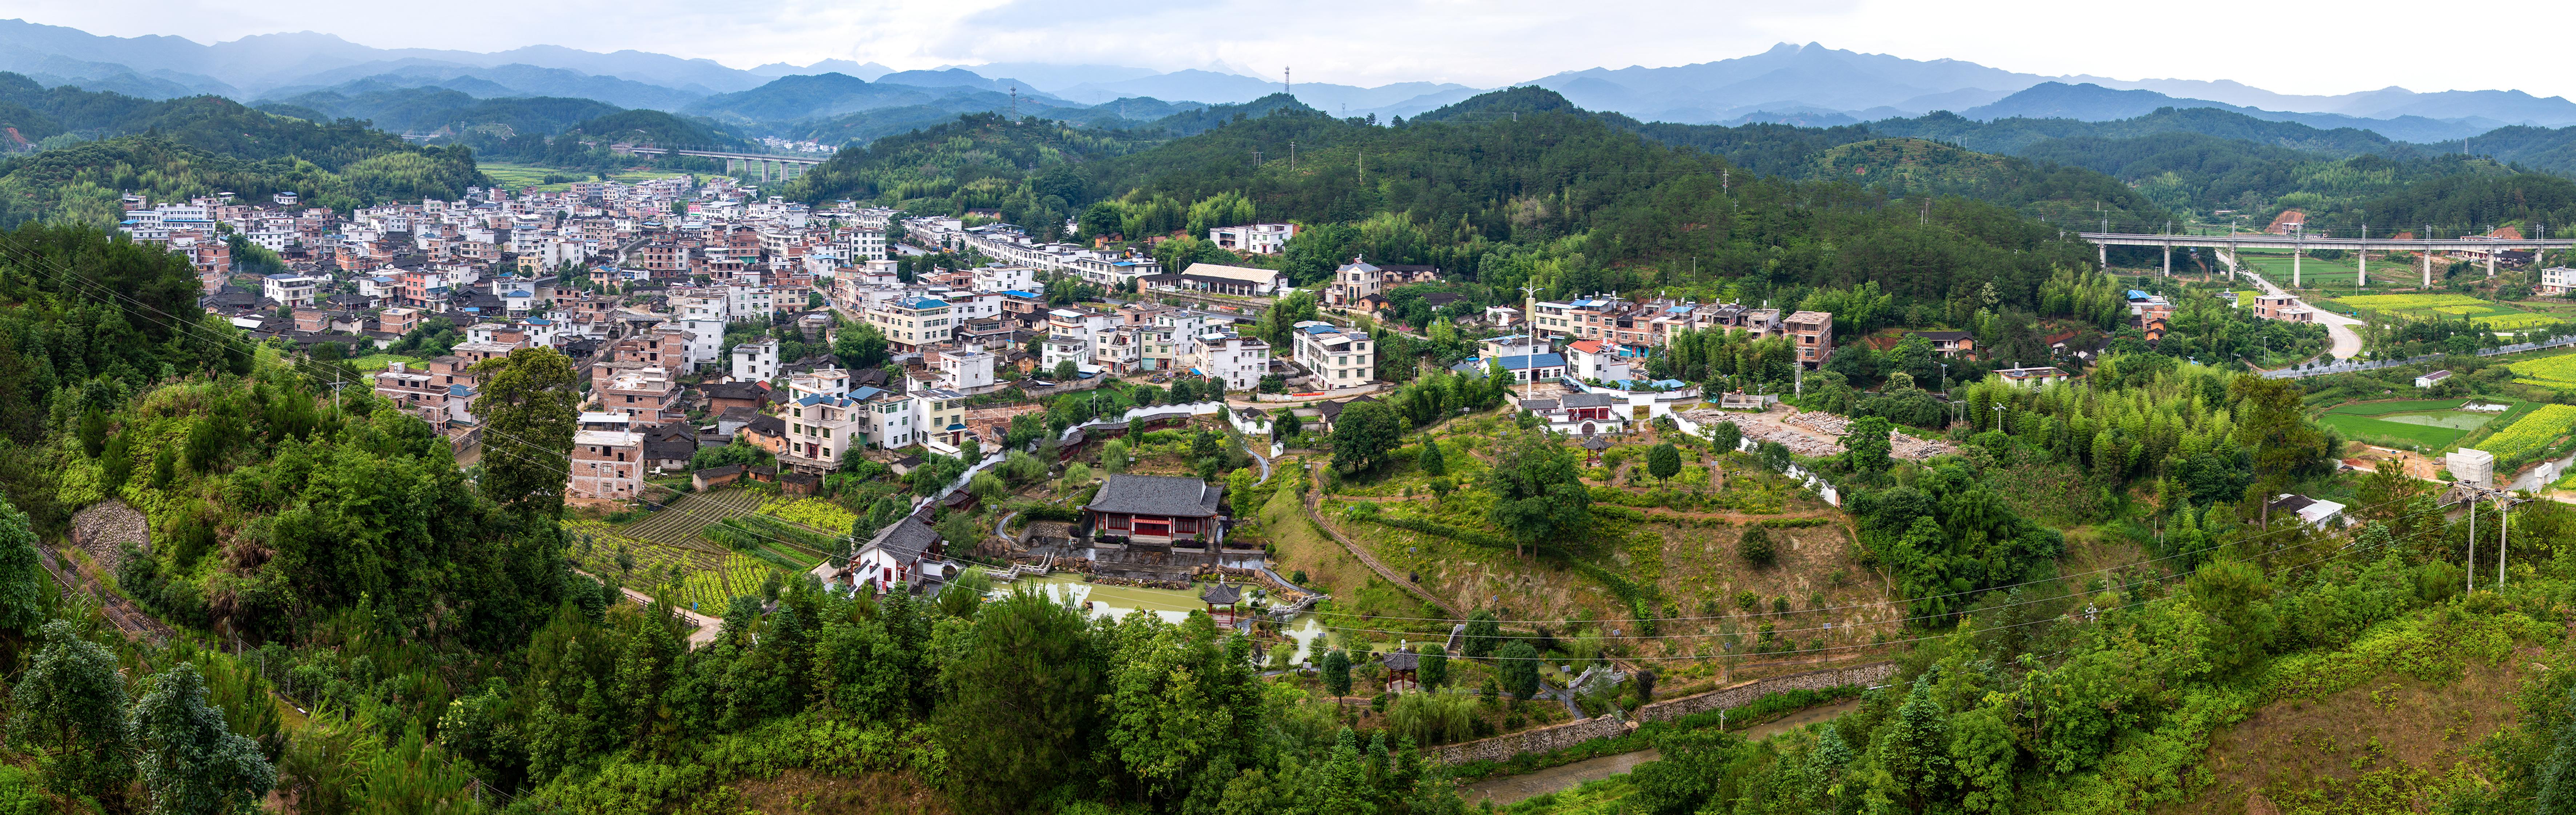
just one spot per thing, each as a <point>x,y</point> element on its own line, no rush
<point>2549,372</point>
<point>2409,302</point>
<point>814,513</point>
<point>2534,433</point>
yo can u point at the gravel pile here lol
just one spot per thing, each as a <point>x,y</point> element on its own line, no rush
<point>103,529</point>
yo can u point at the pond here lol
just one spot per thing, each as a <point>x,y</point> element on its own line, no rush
<point>1172,605</point>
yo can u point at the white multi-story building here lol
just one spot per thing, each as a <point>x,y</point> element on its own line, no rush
<point>913,323</point>
<point>1338,359</point>
<point>755,361</point>
<point>823,381</point>
<point>290,289</point>
<point>1006,278</point>
<point>2557,280</point>
<point>1075,334</point>
<point>867,244</point>
<point>1240,362</point>
<point>821,428</point>
<point>1259,239</point>
<point>967,371</point>
<point>750,302</point>
<point>703,318</point>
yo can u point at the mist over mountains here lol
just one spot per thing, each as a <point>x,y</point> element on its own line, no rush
<point>1810,85</point>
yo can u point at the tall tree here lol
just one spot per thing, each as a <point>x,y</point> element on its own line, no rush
<point>1664,461</point>
<point>2275,430</point>
<point>1364,434</point>
<point>527,409</point>
<point>860,346</point>
<point>1519,669</point>
<point>71,705</point>
<point>23,583</point>
<point>1021,701</point>
<point>1868,444</point>
<point>1538,492</point>
<point>1484,633</point>
<point>192,763</point>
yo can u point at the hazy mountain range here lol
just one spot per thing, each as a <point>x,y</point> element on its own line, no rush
<point>1809,85</point>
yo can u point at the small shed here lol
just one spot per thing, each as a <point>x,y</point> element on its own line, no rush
<point>716,476</point>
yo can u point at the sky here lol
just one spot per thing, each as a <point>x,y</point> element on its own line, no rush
<point>2355,46</point>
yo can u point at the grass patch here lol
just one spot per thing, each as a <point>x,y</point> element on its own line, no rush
<point>2396,406</point>
<point>372,363</point>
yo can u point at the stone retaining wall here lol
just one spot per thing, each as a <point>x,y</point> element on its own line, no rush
<point>1540,740</point>
<point>1744,694</point>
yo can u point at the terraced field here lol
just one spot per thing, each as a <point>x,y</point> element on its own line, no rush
<point>665,553</point>
<point>678,522</point>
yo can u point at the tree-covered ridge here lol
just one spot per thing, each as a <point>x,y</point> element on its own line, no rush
<point>434,109</point>
<point>84,182</point>
<point>1028,168</point>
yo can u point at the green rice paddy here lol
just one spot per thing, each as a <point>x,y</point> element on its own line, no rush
<point>2427,424</point>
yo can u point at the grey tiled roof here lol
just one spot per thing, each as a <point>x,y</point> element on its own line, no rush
<point>1157,495</point>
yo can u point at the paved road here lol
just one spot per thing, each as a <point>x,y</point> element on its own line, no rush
<point>2339,328</point>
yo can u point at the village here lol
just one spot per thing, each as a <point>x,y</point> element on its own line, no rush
<point>944,408</point>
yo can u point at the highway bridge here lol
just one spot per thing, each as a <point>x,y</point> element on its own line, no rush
<point>2300,244</point>
<point>768,165</point>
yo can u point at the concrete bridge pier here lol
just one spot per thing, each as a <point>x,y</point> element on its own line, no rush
<point>2168,260</point>
<point>2106,256</point>
<point>2362,278</point>
<point>2491,263</point>
<point>2428,265</point>
<point>2294,267</point>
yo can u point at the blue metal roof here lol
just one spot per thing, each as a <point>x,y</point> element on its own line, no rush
<point>1322,329</point>
<point>925,302</point>
<point>1523,363</point>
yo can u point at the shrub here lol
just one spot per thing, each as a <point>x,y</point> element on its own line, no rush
<point>1755,547</point>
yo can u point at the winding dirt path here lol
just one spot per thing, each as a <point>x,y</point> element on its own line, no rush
<point>1314,499</point>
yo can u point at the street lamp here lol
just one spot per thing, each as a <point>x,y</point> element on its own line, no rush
<point>1999,418</point>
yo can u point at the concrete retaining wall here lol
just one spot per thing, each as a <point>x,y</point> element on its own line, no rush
<point>1744,694</point>
<point>1557,737</point>
<point>1539,740</point>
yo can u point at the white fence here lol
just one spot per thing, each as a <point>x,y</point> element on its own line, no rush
<point>1824,489</point>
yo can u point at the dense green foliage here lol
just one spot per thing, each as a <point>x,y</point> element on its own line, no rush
<point>436,110</point>
<point>174,149</point>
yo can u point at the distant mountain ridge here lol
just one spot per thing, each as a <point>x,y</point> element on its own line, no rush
<point>1810,85</point>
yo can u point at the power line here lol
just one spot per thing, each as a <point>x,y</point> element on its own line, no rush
<point>2256,536</point>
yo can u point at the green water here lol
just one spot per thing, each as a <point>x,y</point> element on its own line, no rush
<point>1173,605</point>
